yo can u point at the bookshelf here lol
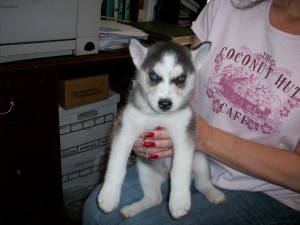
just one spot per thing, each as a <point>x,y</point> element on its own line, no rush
<point>179,12</point>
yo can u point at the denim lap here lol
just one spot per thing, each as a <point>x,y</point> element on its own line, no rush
<point>240,208</point>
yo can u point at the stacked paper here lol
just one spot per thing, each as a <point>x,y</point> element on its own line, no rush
<point>114,35</point>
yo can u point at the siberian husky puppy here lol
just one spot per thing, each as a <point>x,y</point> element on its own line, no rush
<point>164,82</point>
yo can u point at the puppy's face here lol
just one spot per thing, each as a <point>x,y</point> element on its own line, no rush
<point>167,83</point>
<point>165,74</point>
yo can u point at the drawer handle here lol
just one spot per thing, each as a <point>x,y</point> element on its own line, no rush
<point>12,104</point>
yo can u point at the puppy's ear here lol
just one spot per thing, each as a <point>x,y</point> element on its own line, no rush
<point>200,53</point>
<point>137,52</point>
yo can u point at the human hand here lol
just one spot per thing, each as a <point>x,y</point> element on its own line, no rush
<point>158,144</point>
<point>154,144</point>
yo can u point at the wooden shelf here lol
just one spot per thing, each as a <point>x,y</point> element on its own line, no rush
<point>66,61</point>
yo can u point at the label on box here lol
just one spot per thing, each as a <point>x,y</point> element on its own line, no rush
<point>81,91</point>
<point>74,150</point>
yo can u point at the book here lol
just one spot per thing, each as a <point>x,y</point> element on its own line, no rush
<point>148,8</point>
<point>141,10</point>
<point>127,10</point>
<point>110,8</point>
<point>158,30</point>
<point>133,11</point>
<point>103,8</point>
<point>116,3</point>
<point>121,9</point>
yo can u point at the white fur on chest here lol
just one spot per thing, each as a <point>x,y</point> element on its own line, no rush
<point>140,122</point>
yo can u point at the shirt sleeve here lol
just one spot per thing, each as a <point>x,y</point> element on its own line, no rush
<point>202,25</point>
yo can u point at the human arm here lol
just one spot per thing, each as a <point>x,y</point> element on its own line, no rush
<point>267,163</point>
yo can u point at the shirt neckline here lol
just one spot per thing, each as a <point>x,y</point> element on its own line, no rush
<point>276,30</point>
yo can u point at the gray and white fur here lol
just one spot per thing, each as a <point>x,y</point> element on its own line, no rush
<point>164,83</point>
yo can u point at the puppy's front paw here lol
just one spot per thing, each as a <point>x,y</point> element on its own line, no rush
<point>180,205</point>
<point>108,199</point>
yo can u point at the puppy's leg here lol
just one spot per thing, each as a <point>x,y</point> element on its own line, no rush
<point>151,182</point>
<point>202,179</point>
<point>109,196</point>
<point>180,196</point>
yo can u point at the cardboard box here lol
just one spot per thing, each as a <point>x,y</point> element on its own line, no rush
<point>84,135</point>
<point>82,91</point>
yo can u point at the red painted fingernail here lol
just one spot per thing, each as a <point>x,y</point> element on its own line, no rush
<point>149,144</point>
<point>153,157</point>
<point>149,134</point>
<point>159,128</point>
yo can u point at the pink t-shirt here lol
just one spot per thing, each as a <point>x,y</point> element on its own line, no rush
<point>249,86</point>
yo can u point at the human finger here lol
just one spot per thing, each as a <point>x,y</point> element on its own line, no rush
<point>158,149</point>
<point>160,153</point>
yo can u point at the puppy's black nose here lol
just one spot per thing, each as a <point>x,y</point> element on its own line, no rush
<point>165,104</point>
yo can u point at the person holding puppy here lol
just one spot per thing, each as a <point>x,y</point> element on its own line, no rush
<point>247,100</point>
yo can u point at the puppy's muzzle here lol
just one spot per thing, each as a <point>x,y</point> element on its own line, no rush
<point>165,104</point>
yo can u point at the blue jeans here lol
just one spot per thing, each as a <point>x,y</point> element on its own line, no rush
<point>240,208</point>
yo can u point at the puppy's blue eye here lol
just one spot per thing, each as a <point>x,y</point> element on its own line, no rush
<point>181,79</point>
<point>153,76</point>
